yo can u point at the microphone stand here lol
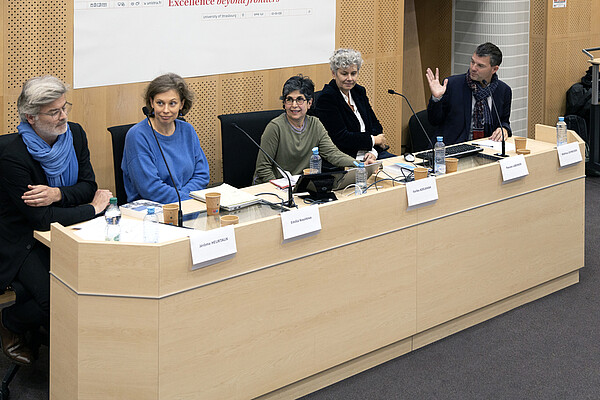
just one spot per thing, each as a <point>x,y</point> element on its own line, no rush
<point>180,213</point>
<point>503,154</point>
<point>290,203</point>
<point>432,160</point>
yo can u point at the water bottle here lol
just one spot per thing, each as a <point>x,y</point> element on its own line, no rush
<point>439,151</point>
<point>561,132</point>
<point>315,161</point>
<point>150,226</point>
<point>361,179</point>
<point>113,220</point>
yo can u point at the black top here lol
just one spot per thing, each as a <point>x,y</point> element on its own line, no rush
<point>17,220</point>
<point>341,122</point>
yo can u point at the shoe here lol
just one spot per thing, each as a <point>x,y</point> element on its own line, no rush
<point>14,346</point>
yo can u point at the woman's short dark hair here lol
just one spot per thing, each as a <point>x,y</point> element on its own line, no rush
<point>303,84</point>
<point>167,82</point>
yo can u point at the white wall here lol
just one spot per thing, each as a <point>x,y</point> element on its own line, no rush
<point>506,24</point>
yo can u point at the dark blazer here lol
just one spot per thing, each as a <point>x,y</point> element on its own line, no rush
<point>17,220</point>
<point>341,123</point>
<point>452,114</point>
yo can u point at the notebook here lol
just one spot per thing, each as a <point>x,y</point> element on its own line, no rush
<point>231,197</point>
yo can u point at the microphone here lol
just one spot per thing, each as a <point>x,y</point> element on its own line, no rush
<point>503,154</point>
<point>180,213</point>
<point>431,161</point>
<point>290,203</point>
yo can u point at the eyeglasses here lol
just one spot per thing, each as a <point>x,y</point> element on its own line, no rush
<point>56,113</point>
<point>290,100</point>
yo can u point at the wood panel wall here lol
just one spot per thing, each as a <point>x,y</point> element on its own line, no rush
<point>557,36</point>
<point>37,39</point>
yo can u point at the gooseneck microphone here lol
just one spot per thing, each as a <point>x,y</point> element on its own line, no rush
<point>290,203</point>
<point>431,161</point>
<point>180,213</point>
<point>503,154</point>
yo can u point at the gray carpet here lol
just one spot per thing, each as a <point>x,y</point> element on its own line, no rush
<point>548,349</point>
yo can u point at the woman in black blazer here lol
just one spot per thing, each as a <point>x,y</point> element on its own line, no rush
<point>45,176</point>
<point>344,109</point>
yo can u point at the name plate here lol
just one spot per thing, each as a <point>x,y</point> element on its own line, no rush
<point>421,191</point>
<point>300,223</point>
<point>513,168</point>
<point>569,154</point>
<point>212,246</point>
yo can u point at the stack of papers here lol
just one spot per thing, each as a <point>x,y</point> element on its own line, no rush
<point>231,198</point>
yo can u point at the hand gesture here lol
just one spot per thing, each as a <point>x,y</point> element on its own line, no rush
<point>437,90</point>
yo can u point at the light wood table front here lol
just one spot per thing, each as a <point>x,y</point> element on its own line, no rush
<point>133,321</point>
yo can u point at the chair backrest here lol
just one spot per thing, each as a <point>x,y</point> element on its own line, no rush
<point>417,137</point>
<point>239,153</point>
<point>118,134</point>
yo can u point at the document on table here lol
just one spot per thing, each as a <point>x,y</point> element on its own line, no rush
<point>132,230</point>
<point>495,145</point>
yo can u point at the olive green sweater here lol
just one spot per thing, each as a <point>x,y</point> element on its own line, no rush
<point>292,150</point>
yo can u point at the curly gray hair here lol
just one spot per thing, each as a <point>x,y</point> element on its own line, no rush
<point>37,92</point>
<point>344,58</point>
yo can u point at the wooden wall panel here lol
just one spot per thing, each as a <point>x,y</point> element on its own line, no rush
<point>568,30</point>
<point>37,40</point>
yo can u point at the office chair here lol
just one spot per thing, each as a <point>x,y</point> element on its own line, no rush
<point>239,153</point>
<point>418,141</point>
<point>118,134</point>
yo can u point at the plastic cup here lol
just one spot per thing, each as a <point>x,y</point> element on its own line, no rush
<point>213,203</point>
<point>170,214</point>
<point>229,220</point>
<point>420,173</point>
<point>451,165</point>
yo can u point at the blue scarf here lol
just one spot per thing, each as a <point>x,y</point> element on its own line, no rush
<point>59,161</point>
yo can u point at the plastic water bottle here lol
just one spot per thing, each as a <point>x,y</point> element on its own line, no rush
<point>150,226</point>
<point>315,161</point>
<point>361,179</point>
<point>561,132</point>
<point>113,220</point>
<point>439,150</point>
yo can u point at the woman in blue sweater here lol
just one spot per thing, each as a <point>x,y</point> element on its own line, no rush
<point>144,172</point>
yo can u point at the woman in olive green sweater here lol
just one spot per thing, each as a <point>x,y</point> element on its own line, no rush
<point>290,137</point>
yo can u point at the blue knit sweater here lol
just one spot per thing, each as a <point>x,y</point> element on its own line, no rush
<point>144,172</point>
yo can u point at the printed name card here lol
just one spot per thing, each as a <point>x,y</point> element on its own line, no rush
<point>569,154</point>
<point>212,246</point>
<point>513,168</point>
<point>300,223</point>
<point>421,191</point>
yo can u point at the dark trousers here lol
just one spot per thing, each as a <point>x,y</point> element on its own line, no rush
<point>32,306</point>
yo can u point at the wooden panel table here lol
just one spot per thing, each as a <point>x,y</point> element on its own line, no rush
<point>133,321</point>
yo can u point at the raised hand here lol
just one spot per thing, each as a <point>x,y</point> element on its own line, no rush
<point>437,89</point>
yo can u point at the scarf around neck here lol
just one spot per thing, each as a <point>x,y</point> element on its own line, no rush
<point>59,162</point>
<point>481,111</point>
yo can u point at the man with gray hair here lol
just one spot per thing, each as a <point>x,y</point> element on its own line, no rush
<point>461,107</point>
<point>45,176</point>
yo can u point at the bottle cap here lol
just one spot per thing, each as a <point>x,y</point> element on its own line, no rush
<point>315,150</point>
<point>150,210</point>
<point>561,118</point>
<point>113,200</point>
<point>440,138</point>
